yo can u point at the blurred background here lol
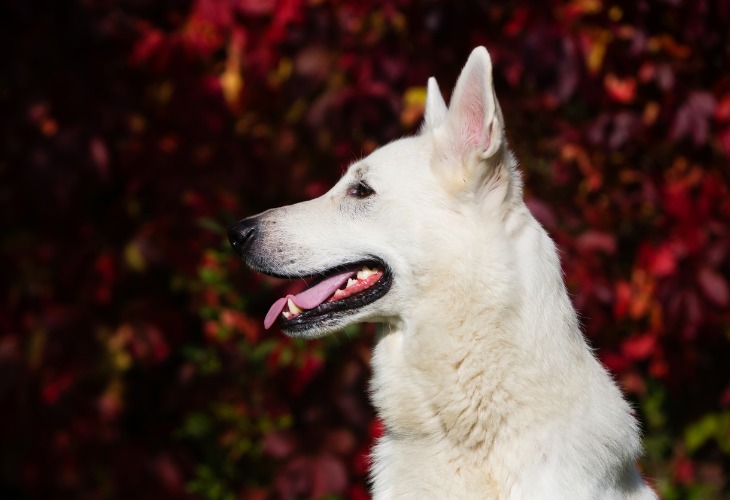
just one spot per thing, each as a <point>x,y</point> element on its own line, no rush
<point>133,360</point>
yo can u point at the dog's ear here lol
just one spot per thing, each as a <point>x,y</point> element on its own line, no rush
<point>474,121</point>
<point>436,110</point>
<point>470,149</point>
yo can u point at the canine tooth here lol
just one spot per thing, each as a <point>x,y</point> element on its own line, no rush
<point>293,307</point>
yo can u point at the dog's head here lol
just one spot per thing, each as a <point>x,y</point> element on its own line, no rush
<point>400,223</point>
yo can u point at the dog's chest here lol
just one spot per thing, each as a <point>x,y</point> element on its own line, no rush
<point>421,389</point>
<point>439,399</point>
<point>406,401</point>
<point>421,455</point>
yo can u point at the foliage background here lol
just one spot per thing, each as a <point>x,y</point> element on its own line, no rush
<point>133,363</point>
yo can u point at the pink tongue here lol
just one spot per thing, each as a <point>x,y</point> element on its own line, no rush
<point>310,298</point>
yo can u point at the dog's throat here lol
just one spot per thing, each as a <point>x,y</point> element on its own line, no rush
<point>337,287</point>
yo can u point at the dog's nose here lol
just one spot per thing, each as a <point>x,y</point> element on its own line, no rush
<point>242,233</point>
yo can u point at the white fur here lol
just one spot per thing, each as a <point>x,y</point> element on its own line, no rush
<point>482,377</point>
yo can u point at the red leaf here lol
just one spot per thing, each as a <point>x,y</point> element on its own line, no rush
<point>256,7</point>
<point>329,476</point>
<point>616,363</point>
<point>340,442</point>
<point>148,45</point>
<point>361,462</point>
<point>278,444</point>
<point>684,471</point>
<point>658,368</point>
<point>517,24</point>
<point>722,111</point>
<point>377,429</point>
<point>724,138</point>
<point>54,389</point>
<point>693,117</point>
<point>357,492</point>
<point>661,261</point>
<point>713,287</point>
<point>623,296</point>
<point>100,156</point>
<point>639,347</point>
<point>620,89</point>
<point>306,372</point>
<point>542,212</point>
<point>597,241</point>
<point>725,398</point>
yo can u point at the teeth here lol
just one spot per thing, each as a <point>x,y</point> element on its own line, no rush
<point>350,282</point>
<point>287,314</point>
<point>365,273</point>
<point>293,307</point>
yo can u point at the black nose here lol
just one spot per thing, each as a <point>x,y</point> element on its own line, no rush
<point>242,233</point>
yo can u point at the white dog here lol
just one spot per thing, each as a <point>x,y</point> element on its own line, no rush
<point>482,377</point>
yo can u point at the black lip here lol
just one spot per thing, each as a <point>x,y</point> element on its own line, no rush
<point>329,313</point>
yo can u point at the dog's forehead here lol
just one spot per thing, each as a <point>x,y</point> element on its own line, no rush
<point>405,155</point>
<point>360,170</point>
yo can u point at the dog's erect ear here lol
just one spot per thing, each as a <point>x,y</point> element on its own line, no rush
<point>435,113</point>
<point>474,121</point>
<point>470,149</point>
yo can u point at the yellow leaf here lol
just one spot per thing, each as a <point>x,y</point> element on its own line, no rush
<point>413,104</point>
<point>597,43</point>
<point>232,84</point>
<point>415,96</point>
<point>231,80</point>
<point>133,257</point>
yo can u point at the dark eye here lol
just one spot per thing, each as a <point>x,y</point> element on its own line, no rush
<point>360,190</point>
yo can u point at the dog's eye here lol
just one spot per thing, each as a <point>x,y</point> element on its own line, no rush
<point>360,190</point>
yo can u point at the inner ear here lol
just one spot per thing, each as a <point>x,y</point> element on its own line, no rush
<point>473,118</point>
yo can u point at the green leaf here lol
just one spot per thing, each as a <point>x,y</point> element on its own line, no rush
<point>197,425</point>
<point>211,225</point>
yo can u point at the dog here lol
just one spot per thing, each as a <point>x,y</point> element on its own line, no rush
<point>484,382</point>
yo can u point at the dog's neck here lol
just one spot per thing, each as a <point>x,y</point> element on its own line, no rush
<point>500,357</point>
<point>493,326</point>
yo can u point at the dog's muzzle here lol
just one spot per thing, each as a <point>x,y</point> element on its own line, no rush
<point>242,234</point>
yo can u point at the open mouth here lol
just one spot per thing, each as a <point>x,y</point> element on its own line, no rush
<point>340,292</point>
